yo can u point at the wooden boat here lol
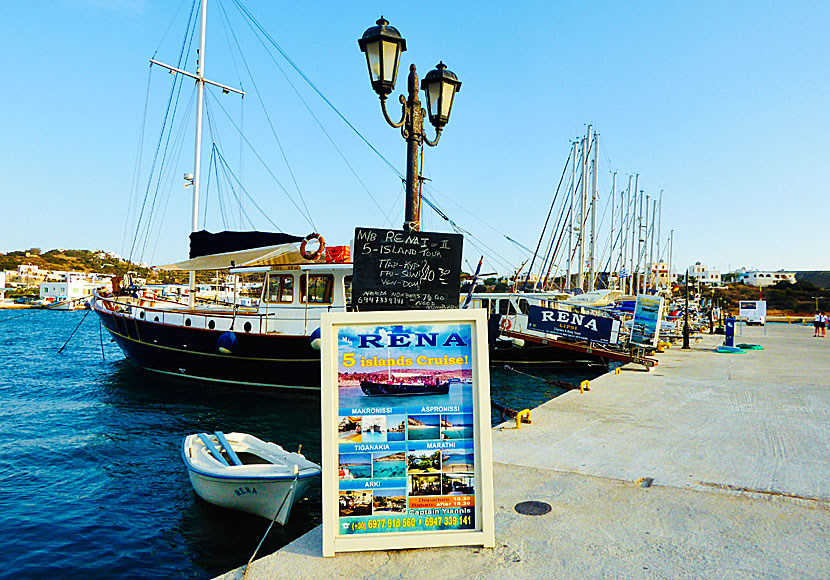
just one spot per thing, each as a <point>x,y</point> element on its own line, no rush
<point>243,473</point>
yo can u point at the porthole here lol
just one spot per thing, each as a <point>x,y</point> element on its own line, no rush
<point>187,322</point>
<point>141,314</point>
<point>155,319</point>
<point>212,324</point>
<point>247,327</point>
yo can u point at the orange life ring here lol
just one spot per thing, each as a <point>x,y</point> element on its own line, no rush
<point>317,253</point>
<point>506,324</point>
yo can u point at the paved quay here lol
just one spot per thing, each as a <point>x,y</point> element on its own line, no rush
<point>737,448</point>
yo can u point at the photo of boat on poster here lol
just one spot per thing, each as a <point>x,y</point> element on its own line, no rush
<point>405,365</point>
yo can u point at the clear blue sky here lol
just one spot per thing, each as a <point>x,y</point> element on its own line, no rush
<point>723,105</point>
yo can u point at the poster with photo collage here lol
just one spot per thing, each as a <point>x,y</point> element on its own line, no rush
<point>407,435</point>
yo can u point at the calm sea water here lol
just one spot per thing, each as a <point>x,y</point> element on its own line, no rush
<point>91,480</point>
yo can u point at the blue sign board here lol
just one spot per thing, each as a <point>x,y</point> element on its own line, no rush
<point>730,332</point>
<point>573,325</point>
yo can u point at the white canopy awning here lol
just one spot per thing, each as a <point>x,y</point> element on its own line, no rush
<point>268,256</point>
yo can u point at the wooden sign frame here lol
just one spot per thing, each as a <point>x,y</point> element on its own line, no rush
<point>428,527</point>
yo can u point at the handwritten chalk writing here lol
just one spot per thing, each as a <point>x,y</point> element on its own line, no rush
<point>396,270</point>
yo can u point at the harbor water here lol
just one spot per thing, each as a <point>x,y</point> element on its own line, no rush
<point>92,484</point>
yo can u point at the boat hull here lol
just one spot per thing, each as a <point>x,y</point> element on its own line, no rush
<point>258,496</point>
<point>258,359</point>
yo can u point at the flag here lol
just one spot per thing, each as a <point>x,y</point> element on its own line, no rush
<point>623,273</point>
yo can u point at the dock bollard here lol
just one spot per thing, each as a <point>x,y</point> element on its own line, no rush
<point>584,386</point>
<point>617,371</point>
<point>519,415</point>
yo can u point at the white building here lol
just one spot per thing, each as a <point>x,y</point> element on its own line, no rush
<point>765,278</point>
<point>73,289</point>
<point>704,275</point>
<point>2,285</point>
<point>664,277</point>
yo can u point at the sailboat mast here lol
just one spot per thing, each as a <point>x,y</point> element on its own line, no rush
<point>583,207</point>
<point>671,252</point>
<point>632,224</point>
<point>197,163</point>
<point>568,283</point>
<point>659,233</point>
<point>592,253</point>
<point>651,246</point>
<point>613,213</point>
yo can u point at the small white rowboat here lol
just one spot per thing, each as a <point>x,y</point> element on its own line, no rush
<point>241,472</point>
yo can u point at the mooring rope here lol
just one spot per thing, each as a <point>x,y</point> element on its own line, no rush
<point>60,350</point>
<point>273,520</point>
<point>552,382</point>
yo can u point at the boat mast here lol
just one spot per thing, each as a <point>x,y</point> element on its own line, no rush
<point>613,212</point>
<point>583,209</point>
<point>197,163</point>
<point>659,233</point>
<point>651,246</point>
<point>592,253</point>
<point>644,243</point>
<point>569,284</point>
<point>201,81</point>
<point>671,252</point>
<point>632,250</point>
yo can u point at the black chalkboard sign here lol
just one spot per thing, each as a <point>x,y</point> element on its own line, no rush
<point>397,270</point>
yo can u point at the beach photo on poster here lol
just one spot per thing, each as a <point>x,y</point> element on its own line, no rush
<point>458,426</point>
<point>421,427</point>
<point>389,501</point>
<point>355,466</point>
<point>396,427</point>
<point>389,465</point>
<point>457,460</point>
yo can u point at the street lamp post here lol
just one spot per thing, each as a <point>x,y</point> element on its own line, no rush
<point>383,46</point>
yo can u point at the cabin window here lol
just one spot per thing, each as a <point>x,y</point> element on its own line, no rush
<point>316,288</point>
<point>281,288</point>
<point>523,306</point>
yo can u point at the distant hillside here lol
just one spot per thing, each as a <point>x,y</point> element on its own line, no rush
<point>71,260</point>
<point>818,277</point>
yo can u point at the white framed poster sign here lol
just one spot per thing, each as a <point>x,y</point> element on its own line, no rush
<point>407,451</point>
<point>645,327</point>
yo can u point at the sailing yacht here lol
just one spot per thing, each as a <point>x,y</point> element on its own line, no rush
<point>275,342</point>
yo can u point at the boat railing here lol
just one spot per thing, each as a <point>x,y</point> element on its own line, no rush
<point>250,319</point>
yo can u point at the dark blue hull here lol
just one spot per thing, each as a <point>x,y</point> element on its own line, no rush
<point>257,359</point>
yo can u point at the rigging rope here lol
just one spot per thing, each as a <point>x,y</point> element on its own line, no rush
<point>555,195</point>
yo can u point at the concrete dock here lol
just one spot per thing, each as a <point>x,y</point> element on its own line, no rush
<point>736,448</point>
